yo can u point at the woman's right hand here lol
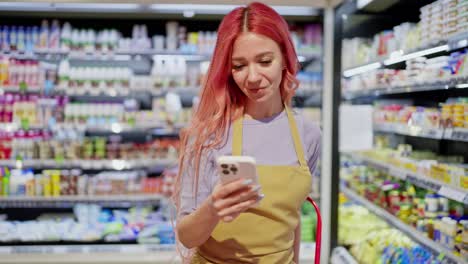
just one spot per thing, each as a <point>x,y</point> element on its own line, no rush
<point>231,199</point>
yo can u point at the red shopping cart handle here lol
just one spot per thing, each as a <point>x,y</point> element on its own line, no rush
<point>318,237</point>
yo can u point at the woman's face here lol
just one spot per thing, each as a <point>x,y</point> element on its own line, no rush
<point>257,65</point>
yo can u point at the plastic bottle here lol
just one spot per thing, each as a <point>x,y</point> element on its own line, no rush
<point>91,41</point>
<point>63,74</point>
<point>1,172</point>
<point>80,80</point>
<point>5,44</point>
<point>21,39</point>
<point>54,38</point>
<point>75,39</point>
<point>13,73</point>
<point>21,71</point>
<point>4,71</point>
<point>156,72</point>
<point>44,35</point>
<point>135,35</point>
<point>27,74</point>
<point>13,38</point>
<point>17,184</point>
<point>201,42</point>
<point>35,37</point>
<point>29,44</point>
<point>66,37</point>
<point>82,40</point>
<point>451,233</point>
<point>114,39</point>
<point>104,41</point>
<point>87,78</point>
<point>6,182</point>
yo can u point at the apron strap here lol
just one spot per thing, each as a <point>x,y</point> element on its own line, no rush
<point>237,131</point>
<point>237,136</point>
<point>296,137</point>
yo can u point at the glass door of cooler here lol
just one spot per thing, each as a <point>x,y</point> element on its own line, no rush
<point>401,162</point>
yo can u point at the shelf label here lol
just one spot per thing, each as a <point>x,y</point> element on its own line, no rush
<point>396,172</point>
<point>5,250</point>
<point>432,133</point>
<point>459,134</point>
<point>377,165</point>
<point>60,250</point>
<point>25,123</point>
<point>448,133</point>
<point>23,87</point>
<point>423,183</point>
<point>60,160</point>
<point>453,194</point>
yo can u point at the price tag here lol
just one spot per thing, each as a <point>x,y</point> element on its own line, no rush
<point>23,87</point>
<point>453,194</point>
<point>448,133</point>
<point>460,134</point>
<point>396,172</point>
<point>75,249</point>
<point>59,160</point>
<point>402,129</point>
<point>387,187</point>
<point>379,166</point>
<point>6,250</point>
<point>432,133</point>
<point>48,86</point>
<point>60,250</point>
<point>25,123</point>
<point>422,183</point>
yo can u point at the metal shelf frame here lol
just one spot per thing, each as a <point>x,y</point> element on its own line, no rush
<point>423,181</point>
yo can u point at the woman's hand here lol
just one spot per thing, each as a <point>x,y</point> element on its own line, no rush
<point>231,199</point>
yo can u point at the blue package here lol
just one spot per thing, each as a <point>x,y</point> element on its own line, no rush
<point>5,44</point>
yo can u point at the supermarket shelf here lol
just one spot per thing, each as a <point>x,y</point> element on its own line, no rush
<point>89,164</point>
<point>134,254</point>
<point>422,181</point>
<point>340,255</point>
<point>90,254</point>
<point>408,230</point>
<point>455,134</point>
<point>459,134</point>
<point>114,128</point>
<point>115,201</point>
<point>414,131</point>
<point>30,90</point>
<point>458,83</point>
<point>11,127</point>
<point>97,55</point>
<point>120,55</point>
<point>455,42</point>
<point>109,94</point>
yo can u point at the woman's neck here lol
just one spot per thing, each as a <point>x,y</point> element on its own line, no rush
<point>255,110</point>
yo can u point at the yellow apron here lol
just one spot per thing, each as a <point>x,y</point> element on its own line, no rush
<point>264,234</point>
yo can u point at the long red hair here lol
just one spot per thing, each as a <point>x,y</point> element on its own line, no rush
<point>221,100</point>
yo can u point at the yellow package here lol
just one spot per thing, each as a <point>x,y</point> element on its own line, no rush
<point>464,181</point>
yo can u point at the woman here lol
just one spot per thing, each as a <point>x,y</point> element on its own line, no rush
<point>244,110</point>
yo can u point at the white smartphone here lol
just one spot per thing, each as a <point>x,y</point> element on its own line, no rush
<point>231,168</point>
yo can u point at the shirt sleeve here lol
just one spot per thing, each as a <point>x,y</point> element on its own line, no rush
<point>189,202</point>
